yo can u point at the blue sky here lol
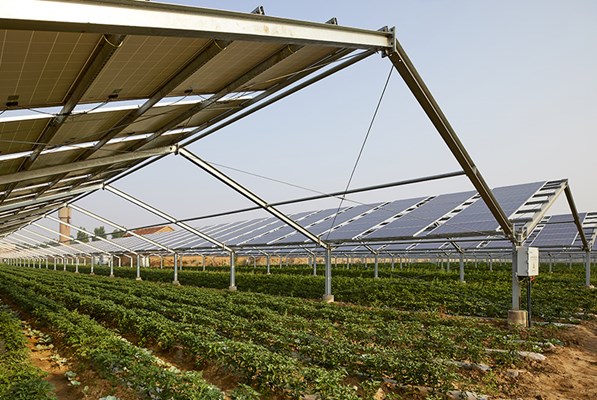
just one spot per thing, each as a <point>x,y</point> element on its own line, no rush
<point>515,79</point>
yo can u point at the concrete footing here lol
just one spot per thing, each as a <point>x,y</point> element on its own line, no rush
<point>517,317</point>
<point>176,283</point>
<point>328,298</point>
<point>138,279</point>
<point>232,288</point>
<point>111,275</point>
<point>92,273</point>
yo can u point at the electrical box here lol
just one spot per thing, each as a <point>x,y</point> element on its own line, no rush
<point>527,261</point>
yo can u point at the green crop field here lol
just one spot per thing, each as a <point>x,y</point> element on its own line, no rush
<point>400,332</point>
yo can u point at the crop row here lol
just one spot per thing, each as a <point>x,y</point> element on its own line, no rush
<point>19,379</point>
<point>556,297</point>
<point>293,337</point>
<point>112,356</point>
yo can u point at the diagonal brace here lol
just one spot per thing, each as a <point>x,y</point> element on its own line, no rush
<point>251,196</point>
<point>167,217</point>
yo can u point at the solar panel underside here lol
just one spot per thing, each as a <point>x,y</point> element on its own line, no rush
<point>360,225</point>
<point>560,230</point>
<point>478,218</point>
<point>419,218</point>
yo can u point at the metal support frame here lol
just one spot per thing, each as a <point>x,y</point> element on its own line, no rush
<point>82,165</point>
<point>418,88</point>
<point>461,268</point>
<point>376,266</point>
<point>66,236</point>
<point>328,297</point>
<point>577,221</point>
<point>106,47</point>
<point>167,217</point>
<point>119,227</point>
<point>251,196</point>
<point>103,239</point>
<point>73,250</point>
<point>588,269</point>
<point>175,279</point>
<point>146,18</point>
<point>232,286</point>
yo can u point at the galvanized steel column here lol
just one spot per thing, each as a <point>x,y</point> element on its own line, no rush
<point>232,286</point>
<point>328,297</point>
<point>461,267</point>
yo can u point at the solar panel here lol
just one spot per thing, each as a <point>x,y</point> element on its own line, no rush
<point>321,227</point>
<point>560,230</point>
<point>422,216</point>
<point>359,225</point>
<point>478,218</point>
<point>303,220</point>
<point>269,226</point>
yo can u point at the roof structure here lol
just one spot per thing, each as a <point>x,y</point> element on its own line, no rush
<point>58,56</point>
<point>188,72</point>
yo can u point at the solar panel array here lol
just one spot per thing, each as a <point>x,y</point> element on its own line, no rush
<point>478,218</point>
<point>69,58</point>
<point>559,231</point>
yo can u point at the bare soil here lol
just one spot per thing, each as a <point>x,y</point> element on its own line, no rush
<point>570,372</point>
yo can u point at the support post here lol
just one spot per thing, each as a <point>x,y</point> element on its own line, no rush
<point>461,268</point>
<point>516,316</point>
<point>314,258</point>
<point>203,262</point>
<point>267,257</point>
<point>175,280</point>
<point>328,297</point>
<point>92,272</point>
<point>376,267</point>
<point>588,270</point>
<point>76,265</point>
<point>138,278</point>
<point>112,268</point>
<point>490,263</point>
<point>232,286</point>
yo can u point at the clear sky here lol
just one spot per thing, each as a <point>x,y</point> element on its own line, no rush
<point>515,78</point>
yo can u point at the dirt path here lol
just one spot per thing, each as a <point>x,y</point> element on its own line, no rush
<point>570,372</point>
<point>46,357</point>
<point>43,360</point>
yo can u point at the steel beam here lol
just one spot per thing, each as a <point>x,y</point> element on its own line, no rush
<point>119,227</point>
<point>81,165</point>
<point>167,217</point>
<point>73,250</point>
<point>577,221</point>
<point>49,197</point>
<point>148,18</point>
<point>251,196</point>
<point>420,91</point>
<point>103,239</point>
<point>74,240</point>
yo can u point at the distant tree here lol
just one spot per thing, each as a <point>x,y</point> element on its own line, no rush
<point>117,233</point>
<point>82,236</point>
<point>99,231</point>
